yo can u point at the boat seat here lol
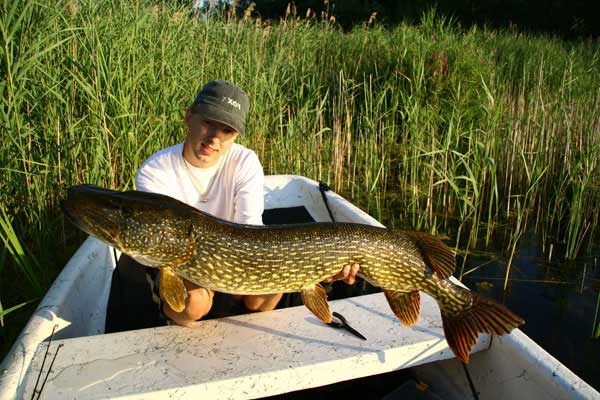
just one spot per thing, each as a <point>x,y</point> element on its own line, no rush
<point>244,356</point>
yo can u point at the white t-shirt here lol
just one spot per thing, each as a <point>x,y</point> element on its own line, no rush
<point>231,190</point>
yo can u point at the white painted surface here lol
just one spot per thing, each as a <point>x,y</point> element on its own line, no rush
<point>75,304</point>
<point>241,357</point>
<point>293,190</point>
<point>514,367</point>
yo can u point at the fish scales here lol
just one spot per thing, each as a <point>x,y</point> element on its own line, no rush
<point>163,233</point>
<point>385,260</point>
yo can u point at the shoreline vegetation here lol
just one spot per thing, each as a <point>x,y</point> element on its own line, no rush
<point>459,132</point>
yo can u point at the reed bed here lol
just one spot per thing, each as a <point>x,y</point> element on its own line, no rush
<point>457,132</point>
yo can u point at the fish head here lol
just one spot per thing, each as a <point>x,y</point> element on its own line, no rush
<point>154,229</point>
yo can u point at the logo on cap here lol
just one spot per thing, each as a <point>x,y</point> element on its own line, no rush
<point>232,102</point>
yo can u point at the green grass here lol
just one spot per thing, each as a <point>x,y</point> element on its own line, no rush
<point>431,127</point>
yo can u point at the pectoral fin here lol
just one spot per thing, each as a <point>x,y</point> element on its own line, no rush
<point>314,298</point>
<point>172,289</point>
<point>405,305</point>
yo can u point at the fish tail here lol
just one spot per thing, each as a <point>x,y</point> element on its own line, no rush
<point>483,316</point>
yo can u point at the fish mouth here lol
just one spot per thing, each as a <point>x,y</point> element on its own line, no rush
<point>67,207</point>
<point>90,209</point>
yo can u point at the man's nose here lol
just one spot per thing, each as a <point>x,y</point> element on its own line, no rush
<point>212,134</point>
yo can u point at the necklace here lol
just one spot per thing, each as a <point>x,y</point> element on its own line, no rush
<point>203,193</point>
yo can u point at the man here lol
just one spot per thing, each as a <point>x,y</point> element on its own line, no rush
<point>214,174</point>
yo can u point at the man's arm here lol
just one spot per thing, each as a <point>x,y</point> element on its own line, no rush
<point>265,302</point>
<point>197,305</point>
<point>150,178</point>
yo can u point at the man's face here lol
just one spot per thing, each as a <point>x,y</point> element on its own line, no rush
<point>206,140</point>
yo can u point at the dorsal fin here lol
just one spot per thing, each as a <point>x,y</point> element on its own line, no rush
<point>439,257</point>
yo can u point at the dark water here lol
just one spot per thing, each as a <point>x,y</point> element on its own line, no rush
<point>557,300</point>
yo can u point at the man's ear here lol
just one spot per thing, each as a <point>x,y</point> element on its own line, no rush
<point>188,115</point>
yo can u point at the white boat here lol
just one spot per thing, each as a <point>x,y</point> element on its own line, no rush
<point>260,354</point>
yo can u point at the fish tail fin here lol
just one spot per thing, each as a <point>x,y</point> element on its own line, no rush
<point>482,316</point>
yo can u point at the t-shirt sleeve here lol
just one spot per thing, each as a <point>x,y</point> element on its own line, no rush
<point>151,178</point>
<point>249,201</point>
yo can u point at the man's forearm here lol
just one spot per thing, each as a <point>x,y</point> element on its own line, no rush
<point>263,302</point>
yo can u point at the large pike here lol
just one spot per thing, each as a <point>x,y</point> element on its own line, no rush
<point>164,233</point>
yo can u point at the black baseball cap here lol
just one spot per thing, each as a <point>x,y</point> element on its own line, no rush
<point>223,102</point>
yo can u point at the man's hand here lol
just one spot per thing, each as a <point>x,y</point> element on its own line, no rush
<point>197,305</point>
<point>347,274</point>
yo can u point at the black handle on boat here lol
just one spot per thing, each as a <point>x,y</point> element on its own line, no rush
<point>323,187</point>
